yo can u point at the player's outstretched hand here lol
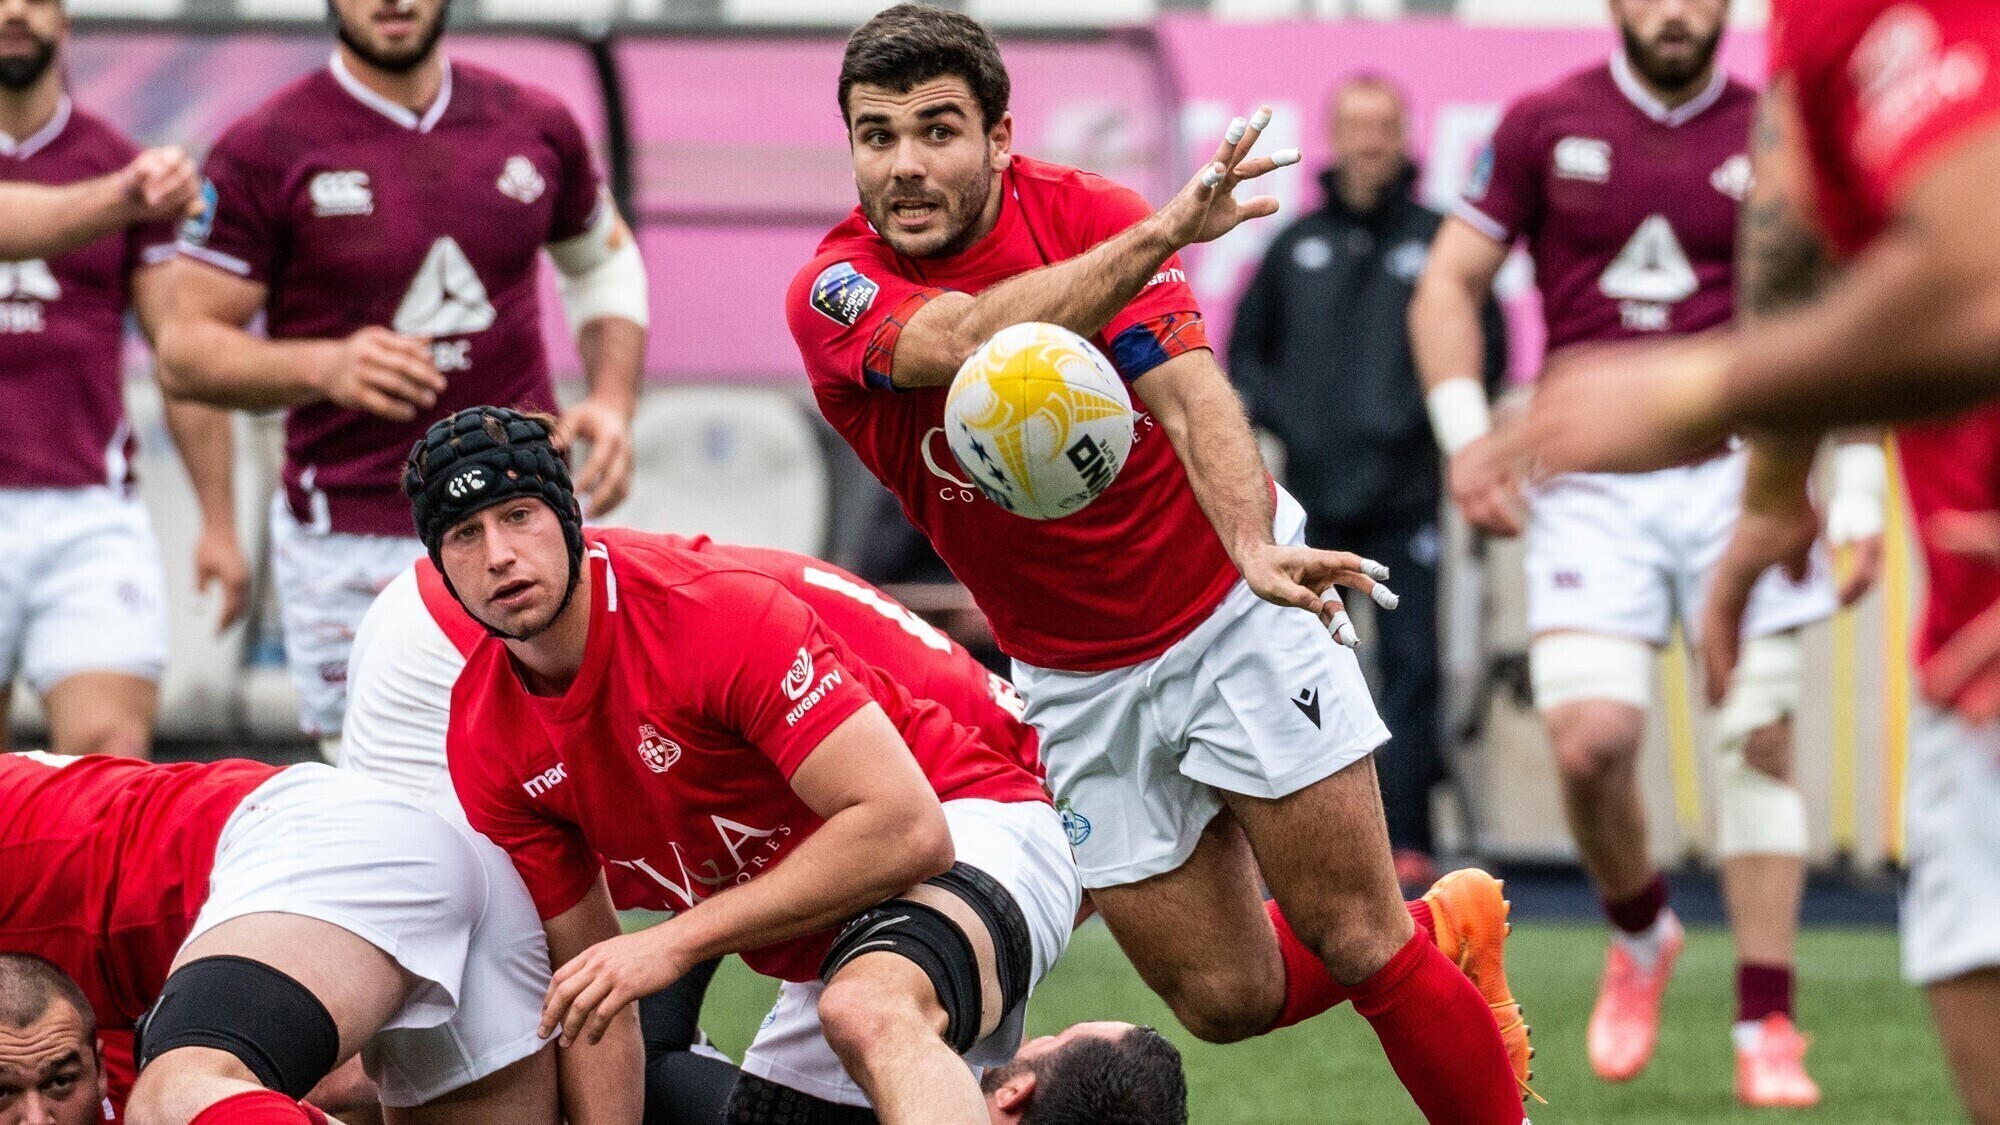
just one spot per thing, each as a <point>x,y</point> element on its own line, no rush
<point>588,993</point>
<point>161,185</point>
<point>382,372</point>
<point>1763,539</point>
<point>219,565</point>
<point>1485,483</point>
<point>1207,208</point>
<point>606,475</point>
<point>1629,408</point>
<point>1289,576</point>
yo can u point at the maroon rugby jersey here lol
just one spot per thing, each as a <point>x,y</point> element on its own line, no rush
<point>62,320</point>
<point>1629,208</point>
<point>356,211</point>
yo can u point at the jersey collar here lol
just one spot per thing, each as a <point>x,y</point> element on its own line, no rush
<point>1642,98</point>
<point>401,115</point>
<point>40,138</point>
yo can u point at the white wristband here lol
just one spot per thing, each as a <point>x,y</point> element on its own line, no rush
<point>1459,415</point>
<point>1860,482</point>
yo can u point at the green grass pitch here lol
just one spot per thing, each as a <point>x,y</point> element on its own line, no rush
<point>1873,1053</point>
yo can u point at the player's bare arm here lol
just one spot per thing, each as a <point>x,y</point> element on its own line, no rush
<point>1448,340</point>
<point>1085,292</point>
<point>603,285</point>
<point>1191,398</point>
<point>207,355</point>
<point>207,448</point>
<point>159,184</point>
<point>603,1081</point>
<point>884,832</point>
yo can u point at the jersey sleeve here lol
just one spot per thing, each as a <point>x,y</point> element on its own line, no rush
<point>581,191</point>
<point>551,856</point>
<point>237,228</point>
<point>774,676</point>
<point>1164,320</point>
<point>847,309</point>
<point>1504,197</point>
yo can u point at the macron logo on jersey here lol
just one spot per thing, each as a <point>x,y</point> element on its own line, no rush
<point>341,193</point>
<point>546,780</point>
<point>842,294</point>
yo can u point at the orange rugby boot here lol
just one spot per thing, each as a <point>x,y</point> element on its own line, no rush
<point>1771,1066</point>
<point>1470,914</point>
<point>1625,1024</point>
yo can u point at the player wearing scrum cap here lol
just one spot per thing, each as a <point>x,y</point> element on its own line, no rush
<point>1201,729</point>
<point>386,215</point>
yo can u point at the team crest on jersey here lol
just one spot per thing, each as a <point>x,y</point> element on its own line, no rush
<point>341,193</point>
<point>1075,825</point>
<point>842,294</point>
<point>1583,158</point>
<point>520,180</point>
<point>1734,178</point>
<point>799,676</point>
<point>196,227</point>
<point>657,750</point>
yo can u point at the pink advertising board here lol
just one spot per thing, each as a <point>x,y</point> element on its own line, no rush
<point>1457,79</point>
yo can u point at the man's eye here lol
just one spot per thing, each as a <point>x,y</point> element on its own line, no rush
<point>940,133</point>
<point>517,515</point>
<point>61,1084</point>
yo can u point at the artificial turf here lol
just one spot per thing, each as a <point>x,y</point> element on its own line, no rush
<point>1874,1052</point>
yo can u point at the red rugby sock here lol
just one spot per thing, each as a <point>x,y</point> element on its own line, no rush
<point>1440,1038</point>
<point>1309,988</point>
<point>259,1107</point>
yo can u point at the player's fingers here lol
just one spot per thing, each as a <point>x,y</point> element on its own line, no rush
<point>563,987</point>
<point>418,379</point>
<point>1259,207</point>
<point>1225,154</point>
<point>383,405</point>
<point>1251,169</point>
<point>580,1009</point>
<point>1253,129</point>
<point>606,1011</point>
<point>235,599</point>
<point>1722,632</point>
<point>1342,628</point>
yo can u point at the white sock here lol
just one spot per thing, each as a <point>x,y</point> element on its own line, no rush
<point>1747,1034</point>
<point>1645,948</point>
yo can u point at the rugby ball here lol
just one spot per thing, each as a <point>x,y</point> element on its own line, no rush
<point>1040,420</point>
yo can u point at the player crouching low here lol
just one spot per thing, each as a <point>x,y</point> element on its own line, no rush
<point>691,729</point>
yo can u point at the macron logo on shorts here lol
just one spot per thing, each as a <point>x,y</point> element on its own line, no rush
<point>842,294</point>
<point>1307,701</point>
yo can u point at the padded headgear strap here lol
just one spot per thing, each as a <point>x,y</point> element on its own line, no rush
<point>486,455</point>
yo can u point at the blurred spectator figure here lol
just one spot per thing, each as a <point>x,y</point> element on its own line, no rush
<point>1322,357</point>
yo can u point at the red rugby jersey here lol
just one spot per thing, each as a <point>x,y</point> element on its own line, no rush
<point>704,686</point>
<point>1109,586</point>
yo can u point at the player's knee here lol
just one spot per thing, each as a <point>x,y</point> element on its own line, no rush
<point>1592,754</point>
<point>1768,750</point>
<point>864,1012</point>
<point>1758,810</point>
<point>1220,1006</point>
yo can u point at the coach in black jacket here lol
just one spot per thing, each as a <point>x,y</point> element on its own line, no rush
<point>1321,355</point>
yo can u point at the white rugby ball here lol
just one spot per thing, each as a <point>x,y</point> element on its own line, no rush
<point>1040,420</point>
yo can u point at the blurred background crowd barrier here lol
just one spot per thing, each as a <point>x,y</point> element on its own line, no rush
<point>716,122</point>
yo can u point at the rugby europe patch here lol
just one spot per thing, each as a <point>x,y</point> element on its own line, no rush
<point>842,294</point>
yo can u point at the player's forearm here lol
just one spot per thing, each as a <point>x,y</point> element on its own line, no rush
<point>210,361</point>
<point>1082,294</point>
<point>861,856</point>
<point>207,447</point>
<point>45,221</point>
<point>1447,338</point>
<point>1204,420</point>
<point>1776,475</point>
<point>614,359</point>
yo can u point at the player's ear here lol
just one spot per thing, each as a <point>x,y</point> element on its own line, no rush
<point>1013,1095</point>
<point>1000,141</point>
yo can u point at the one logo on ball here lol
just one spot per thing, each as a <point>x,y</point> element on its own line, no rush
<point>657,750</point>
<point>466,483</point>
<point>799,677</point>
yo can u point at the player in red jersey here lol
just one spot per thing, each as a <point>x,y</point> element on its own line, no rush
<point>1626,180</point>
<point>691,726</point>
<point>1200,739</point>
<point>1882,141</point>
<point>83,616</point>
<point>386,215</point>
<point>238,930</point>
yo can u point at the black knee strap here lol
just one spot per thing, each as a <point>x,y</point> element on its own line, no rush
<point>760,1101</point>
<point>272,1024</point>
<point>929,939</point>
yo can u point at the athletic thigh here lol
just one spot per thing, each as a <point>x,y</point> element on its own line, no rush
<point>523,1092</point>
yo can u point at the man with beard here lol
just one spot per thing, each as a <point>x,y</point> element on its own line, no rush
<point>83,614</point>
<point>1626,180</point>
<point>1202,729</point>
<point>385,214</point>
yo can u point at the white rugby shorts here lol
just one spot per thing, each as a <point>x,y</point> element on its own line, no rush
<point>443,902</point>
<point>325,582</point>
<point>1022,846</point>
<point>1625,554</point>
<point>80,586</point>
<point>399,679</point>
<point>1951,908</point>
<point>1258,700</point>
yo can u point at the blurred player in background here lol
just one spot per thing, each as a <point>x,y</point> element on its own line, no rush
<point>51,1066</point>
<point>1197,735</point>
<point>1626,181</point>
<point>386,214</point>
<point>239,930</point>
<point>1882,140</point>
<point>83,611</point>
